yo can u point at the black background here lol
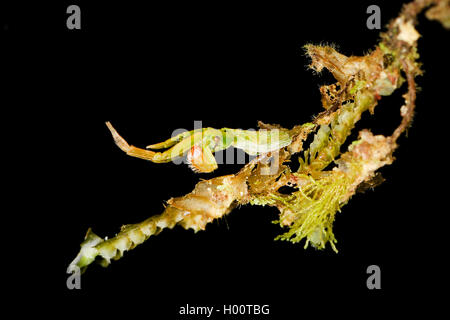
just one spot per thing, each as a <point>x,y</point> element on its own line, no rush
<point>154,68</point>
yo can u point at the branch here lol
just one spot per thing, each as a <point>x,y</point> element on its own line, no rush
<point>319,194</point>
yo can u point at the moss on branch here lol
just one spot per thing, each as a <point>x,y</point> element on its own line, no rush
<point>319,192</point>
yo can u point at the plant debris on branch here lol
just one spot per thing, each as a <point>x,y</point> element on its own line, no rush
<point>319,193</point>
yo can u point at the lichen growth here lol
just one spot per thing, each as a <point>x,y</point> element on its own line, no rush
<point>310,211</point>
<point>327,177</point>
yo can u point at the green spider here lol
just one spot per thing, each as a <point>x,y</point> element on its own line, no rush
<point>200,145</point>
